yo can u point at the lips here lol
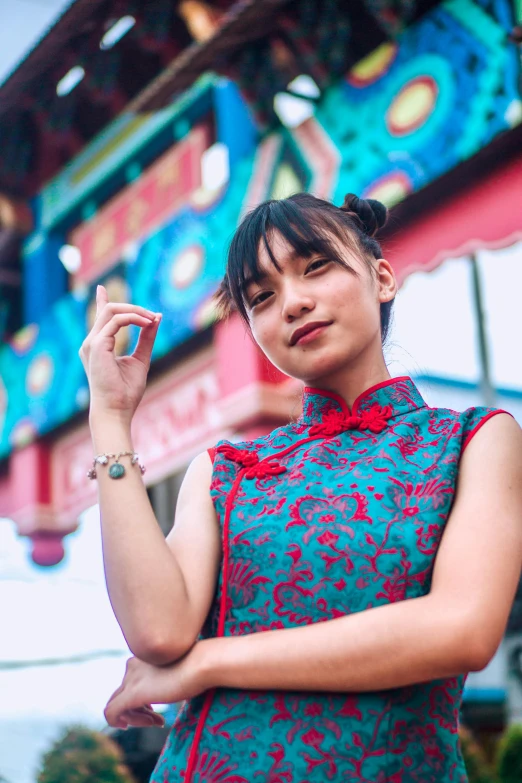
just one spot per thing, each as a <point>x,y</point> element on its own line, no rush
<point>306,329</point>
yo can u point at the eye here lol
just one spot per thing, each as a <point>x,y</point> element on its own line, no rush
<point>317,264</point>
<point>259,298</point>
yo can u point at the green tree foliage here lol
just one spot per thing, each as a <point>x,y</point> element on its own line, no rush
<point>509,756</point>
<point>81,755</point>
<point>478,769</point>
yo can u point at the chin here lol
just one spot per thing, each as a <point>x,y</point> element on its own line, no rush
<point>314,369</point>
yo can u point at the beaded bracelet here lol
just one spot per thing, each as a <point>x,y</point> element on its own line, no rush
<point>116,470</point>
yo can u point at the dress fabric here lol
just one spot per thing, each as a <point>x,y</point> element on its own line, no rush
<point>336,513</point>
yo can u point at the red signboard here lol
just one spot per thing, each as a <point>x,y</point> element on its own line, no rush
<point>178,417</point>
<point>142,206</point>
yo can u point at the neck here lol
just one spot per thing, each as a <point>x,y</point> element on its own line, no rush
<point>352,381</point>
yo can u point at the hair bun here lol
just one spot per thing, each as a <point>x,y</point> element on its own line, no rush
<point>371,213</point>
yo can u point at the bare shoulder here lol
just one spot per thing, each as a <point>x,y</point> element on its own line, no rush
<point>194,499</point>
<point>200,468</point>
<point>496,447</point>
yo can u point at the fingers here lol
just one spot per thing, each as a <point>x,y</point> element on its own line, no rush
<point>141,717</point>
<point>149,713</point>
<point>111,329</point>
<point>143,350</point>
<point>102,298</point>
<point>117,322</point>
<point>137,716</point>
<point>108,313</point>
<point>110,309</point>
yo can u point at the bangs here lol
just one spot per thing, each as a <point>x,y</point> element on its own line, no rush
<point>308,231</point>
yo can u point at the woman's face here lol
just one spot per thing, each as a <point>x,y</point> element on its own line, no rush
<point>315,319</point>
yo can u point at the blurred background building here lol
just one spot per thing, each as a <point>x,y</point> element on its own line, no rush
<point>135,134</point>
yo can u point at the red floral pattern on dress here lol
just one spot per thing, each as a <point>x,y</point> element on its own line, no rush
<point>335,514</point>
<point>211,768</point>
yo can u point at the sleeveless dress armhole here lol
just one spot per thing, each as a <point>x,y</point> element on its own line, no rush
<point>477,417</point>
<point>212,453</point>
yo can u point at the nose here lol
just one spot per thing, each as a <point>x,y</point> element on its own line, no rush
<point>296,302</point>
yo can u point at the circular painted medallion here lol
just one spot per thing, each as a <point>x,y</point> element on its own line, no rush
<point>187,266</point>
<point>39,375</point>
<point>412,106</point>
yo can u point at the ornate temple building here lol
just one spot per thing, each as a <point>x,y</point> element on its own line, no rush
<point>136,134</point>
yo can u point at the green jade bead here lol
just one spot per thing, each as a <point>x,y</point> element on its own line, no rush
<point>117,470</point>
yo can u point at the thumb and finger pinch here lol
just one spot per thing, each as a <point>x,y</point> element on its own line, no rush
<point>111,317</point>
<point>118,382</point>
<point>105,311</point>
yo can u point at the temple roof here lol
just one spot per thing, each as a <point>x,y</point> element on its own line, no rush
<point>162,55</point>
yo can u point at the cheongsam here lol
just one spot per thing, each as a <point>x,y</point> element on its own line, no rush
<point>335,513</point>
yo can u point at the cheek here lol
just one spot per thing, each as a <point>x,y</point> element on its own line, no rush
<point>264,332</point>
<point>353,300</point>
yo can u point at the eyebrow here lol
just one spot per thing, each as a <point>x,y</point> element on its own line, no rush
<point>263,277</point>
<point>251,279</point>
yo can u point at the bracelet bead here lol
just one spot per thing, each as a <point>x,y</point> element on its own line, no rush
<point>116,470</point>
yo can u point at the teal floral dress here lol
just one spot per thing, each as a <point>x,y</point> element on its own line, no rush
<point>336,513</point>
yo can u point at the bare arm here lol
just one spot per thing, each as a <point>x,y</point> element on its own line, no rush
<point>160,590</point>
<point>454,629</point>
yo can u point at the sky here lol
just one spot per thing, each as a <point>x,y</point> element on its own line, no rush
<point>53,614</point>
<point>64,612</point>
<point>22,23</point>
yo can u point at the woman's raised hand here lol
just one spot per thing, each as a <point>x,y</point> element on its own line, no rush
<point>117,383</point>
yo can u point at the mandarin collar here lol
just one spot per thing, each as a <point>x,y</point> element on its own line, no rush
<point>400,394</point>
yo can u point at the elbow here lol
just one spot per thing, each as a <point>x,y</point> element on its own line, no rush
<point>161,651</point>
<point>474,649</point>
<point>479,654</point>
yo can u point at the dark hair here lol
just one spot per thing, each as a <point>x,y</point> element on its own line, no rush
<point>305,222</point>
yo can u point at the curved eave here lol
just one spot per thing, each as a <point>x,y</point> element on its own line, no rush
<point>485,213</point>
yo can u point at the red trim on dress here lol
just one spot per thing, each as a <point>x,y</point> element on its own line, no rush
<point>212,453</point>
<point>197,736</point>
<point>337,397</point>
<point>221,626</point>
<point>481,423</point>
<point>375,388</point>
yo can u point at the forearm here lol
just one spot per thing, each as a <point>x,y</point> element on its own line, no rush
<point>386,647</point>
<point>144,582</point>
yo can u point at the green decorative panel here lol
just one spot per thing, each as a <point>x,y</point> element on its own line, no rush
<point>121,141</point>
<point>402,117</point>
<point>416,108</point>
<point>174,271</point>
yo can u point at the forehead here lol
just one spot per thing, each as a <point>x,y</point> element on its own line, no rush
<point>280,247</point>
<point>286,253</point>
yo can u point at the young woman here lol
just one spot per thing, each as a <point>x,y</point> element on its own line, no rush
<point>325,588</point>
